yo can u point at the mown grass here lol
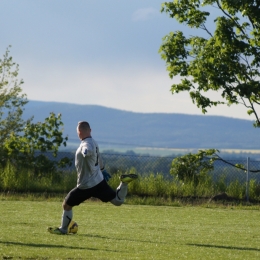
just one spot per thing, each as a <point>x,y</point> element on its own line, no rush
<point>129,231</point>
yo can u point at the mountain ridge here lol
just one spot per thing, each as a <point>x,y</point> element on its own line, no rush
<point>112,126</point>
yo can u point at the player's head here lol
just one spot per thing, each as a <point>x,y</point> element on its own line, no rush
<point>83,129</point>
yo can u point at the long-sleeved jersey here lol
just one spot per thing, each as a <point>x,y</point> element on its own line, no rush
<point>88,163</point>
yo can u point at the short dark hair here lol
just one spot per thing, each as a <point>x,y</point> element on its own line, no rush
<point>83,125</point>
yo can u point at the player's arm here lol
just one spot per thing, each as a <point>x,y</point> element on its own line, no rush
<point>106,175</point>
<point>85,150</point>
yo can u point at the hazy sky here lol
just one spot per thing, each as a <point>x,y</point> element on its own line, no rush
<point>95,52</point>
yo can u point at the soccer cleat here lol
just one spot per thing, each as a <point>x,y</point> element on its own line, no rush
<point>56,231</point>
<point>127,178</point>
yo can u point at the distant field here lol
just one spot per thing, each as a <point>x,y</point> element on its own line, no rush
<point>129,232</point>
<point>156,151</point>
<point>178,151</point>
<point>72,146</point>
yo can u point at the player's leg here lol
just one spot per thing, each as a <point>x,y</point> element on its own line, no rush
<point>121,193</point>
<point>65,220</point>
<point>66,217</point>
<point>105,193</point>
<point>121,190</point>
<point>74,197</point>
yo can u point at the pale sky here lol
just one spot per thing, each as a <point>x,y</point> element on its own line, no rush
<point>96,52</point>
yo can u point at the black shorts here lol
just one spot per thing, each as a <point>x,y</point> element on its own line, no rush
<point>101,191</point>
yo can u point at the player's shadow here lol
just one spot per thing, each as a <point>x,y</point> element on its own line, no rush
<point>50,246</point>
<point>123,239</point>
<point>227,247</point>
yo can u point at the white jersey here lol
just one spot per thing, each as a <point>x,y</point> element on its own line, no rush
<point>88,163</point>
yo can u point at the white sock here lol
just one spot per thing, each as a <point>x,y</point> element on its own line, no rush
<point>121,192</point>
<point>65,220</point>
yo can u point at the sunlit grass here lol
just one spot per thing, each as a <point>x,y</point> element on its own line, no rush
<point>129,232</point>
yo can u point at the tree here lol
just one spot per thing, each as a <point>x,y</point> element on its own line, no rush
<point>193,167</point>
<point>225,60</point>
<point>12,100</point>
<point>21,139</point>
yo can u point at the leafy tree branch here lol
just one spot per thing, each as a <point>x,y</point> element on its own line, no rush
<point>226,61</point>
<point>21,139</point>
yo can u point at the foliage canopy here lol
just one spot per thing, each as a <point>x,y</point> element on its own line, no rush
<point>225,59</point>
<point>21,139</point>
<point>193,167</point>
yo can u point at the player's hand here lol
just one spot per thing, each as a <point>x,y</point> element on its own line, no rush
<point>106,175</point>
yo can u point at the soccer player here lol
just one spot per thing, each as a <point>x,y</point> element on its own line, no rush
<point>92,179</point>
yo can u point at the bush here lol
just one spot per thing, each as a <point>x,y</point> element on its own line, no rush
<point>150,185</point>
<point>24,180</point>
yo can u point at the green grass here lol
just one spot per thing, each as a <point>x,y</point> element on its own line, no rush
<point>129,232</point>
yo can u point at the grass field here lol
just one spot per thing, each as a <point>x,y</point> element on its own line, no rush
<point>129,232</point>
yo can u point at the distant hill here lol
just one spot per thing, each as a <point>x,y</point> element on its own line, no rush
<point>113,127</point>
